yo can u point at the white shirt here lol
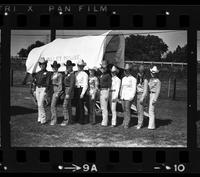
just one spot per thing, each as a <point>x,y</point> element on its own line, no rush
<point>116,82</point>
<point>128,88</point>
<point>82,81</point>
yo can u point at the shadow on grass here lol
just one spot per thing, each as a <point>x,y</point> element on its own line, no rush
<point>17,110</point>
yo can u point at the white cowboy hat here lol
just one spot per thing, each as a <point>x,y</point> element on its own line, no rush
<point>154,69</point>
<point>81,63</point>
<point>42,60</point>
<point>114,69</point>
<point>127,66</point>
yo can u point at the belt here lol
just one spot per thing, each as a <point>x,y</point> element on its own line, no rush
<point>78,87</point>
<point>40,86</point>
<point>104,88</point>
<point>112,90</point>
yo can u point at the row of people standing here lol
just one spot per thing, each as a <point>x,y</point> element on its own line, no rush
<point>79,86</point>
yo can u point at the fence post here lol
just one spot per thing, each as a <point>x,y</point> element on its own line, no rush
<point>169,87</point>
<point>11,77</point>
<point>174,92</point>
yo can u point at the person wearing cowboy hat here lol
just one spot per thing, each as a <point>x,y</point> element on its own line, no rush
<point>127,94</point>
<point>56,80</point>
<point>69,83</point>
<point>81,86</point>
<point>42,82</point>
<point>114,92</point>
<point>154,89</point>
<point>92,91</point>
<point>142,88</point>
<point>105,85</point>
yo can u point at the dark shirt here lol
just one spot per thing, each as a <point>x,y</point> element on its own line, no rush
<point>43,78</point>
<point>105,81</point>
<point>69,81</point>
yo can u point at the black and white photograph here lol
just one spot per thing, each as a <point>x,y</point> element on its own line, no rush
<point>198,88</point>
<point>98,88</point>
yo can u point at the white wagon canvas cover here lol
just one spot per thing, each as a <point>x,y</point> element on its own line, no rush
<point>92,49</point>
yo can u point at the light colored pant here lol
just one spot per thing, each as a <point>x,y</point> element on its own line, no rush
<point>151,112</point>
<point>113,106</point>
<point>140,110</point>
<point>67,107</point>
<point>126,105</point>
<point>40,96</point>
<point>104,96</point>
<point>53,106</point>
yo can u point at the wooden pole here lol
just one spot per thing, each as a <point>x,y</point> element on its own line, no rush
<point>169,87</point>
<point>174,92</point>
<point>11,77</point>
<point>53,34</point>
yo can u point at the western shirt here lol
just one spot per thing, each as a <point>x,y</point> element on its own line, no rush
<point>128,88</point>
<point>42,78</point>
<point>154,86</point>
<point>116,83</point>
<point>82,81</point>
<point>69,81</point>
<point>56,80</point>
<point>93,85</point>
<point>105,80</point>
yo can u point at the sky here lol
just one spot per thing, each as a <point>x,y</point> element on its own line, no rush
<point>23,38</point>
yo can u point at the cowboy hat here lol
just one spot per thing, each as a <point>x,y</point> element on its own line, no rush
<point>42,60</point>
<point>114,69</point>
<point>127,66</point>
<point>81,63</point>
<point>55,65</point>
<point>69,63</point>
<point>93,68</point>
<point>154,69</point>
<point>104,64</point>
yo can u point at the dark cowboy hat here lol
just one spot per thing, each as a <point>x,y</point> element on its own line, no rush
<point>55,65</point>
<point>69,63</point>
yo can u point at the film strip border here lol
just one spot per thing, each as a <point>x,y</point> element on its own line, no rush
<point>100,160</point>
<point>105,159</point>
<point>81,16</point>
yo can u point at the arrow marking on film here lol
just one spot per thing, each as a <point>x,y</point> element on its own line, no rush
<point>74,168</point>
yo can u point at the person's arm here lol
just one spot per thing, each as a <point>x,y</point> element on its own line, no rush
<point>72,83</point>
<point>145,89</point>
<point>121,87</point>
<point>134,84</point>
<point>85,85</point>
<point>60,83</point>
<point>158,87</point>
<point>117,88</point>
<point>109,81</point>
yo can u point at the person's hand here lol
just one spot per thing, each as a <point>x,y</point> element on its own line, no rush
<point>92,97</point>
<point>66,96</point>
<point>141,101</point>
<point>154,102</point>
<point>81,96</point>
<point>114,100</point>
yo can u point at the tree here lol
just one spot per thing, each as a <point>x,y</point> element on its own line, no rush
<point>145,48</point>
<point>24,52</point>
<point>179,55</point>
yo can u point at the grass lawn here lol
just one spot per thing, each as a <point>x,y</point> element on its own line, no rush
<point>25,132</point>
